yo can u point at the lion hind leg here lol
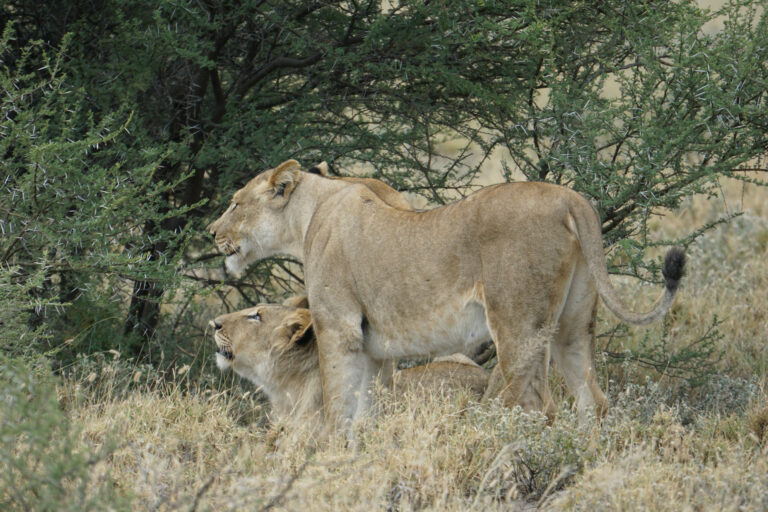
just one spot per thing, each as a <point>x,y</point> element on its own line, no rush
<point>573,351</point>
<point>576,362</point>
<point>520,378</point>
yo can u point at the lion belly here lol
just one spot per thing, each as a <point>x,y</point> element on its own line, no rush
<point>442,331</point>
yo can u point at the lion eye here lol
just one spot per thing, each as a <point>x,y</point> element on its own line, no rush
<point>232,208</point>
<point>255,316</point>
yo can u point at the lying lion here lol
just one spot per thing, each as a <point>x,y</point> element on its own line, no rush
<point>521,263</point>
<point>274,347</point>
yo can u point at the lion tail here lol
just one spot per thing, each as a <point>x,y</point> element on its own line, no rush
<point>587,227</point>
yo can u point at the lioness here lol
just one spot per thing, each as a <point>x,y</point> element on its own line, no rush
<point>274,347</point>
<point>521,263</point>
<point>386,193</point>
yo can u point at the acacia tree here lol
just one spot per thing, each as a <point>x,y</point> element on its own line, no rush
<point>636,107</point>
<point>75,197</point>
<point>632,104</point>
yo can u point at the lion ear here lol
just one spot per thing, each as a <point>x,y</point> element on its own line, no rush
<point>320,169</point>
<point>297,301</point>
<point>284,178</point>
<point>296,330</point>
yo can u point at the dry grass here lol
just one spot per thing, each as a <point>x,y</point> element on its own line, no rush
<point>663,446</point>
<point>182,451</point>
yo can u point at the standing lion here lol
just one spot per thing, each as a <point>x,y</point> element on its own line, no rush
<point>521,263</point>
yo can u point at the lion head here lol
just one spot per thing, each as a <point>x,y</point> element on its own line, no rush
<point>248,230</point>
<point>273,346</point>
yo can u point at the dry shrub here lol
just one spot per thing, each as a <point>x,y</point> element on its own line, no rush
<point>757,421</point>
<point>645,480</point>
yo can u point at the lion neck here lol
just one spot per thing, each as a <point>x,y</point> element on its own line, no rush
<point>310,192</point>
<point>298,396</point>
<point>294,384</point>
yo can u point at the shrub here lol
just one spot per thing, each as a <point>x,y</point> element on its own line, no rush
<point>46,466</point>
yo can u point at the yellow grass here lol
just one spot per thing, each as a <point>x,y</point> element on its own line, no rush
<point>180,451</point>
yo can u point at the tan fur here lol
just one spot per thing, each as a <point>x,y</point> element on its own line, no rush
<point>447,374</point>
<point>297,301</point>
<point>387,194</point>
<point>269,351</point>
<point>522,263</point>
<point>274,190</point>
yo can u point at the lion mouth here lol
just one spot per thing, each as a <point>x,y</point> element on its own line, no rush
<point>228,248</point>
<point>223,347</point>
<point>225,353</point>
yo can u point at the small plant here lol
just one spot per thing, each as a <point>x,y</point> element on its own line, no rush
<point>45,464</point>
<point>694,363</point>
<point>536,460</point>
<point>758,423</point>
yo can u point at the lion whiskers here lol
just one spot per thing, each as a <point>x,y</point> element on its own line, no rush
<point>224,355</point>
<point>238,259</point>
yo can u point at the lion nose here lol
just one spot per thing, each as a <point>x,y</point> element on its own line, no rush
<point>216,325</point>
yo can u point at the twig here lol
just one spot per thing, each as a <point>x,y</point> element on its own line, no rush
<point>276,499</point>
<point>201,491</point>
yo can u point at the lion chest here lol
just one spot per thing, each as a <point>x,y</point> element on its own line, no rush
<point>436,331</point>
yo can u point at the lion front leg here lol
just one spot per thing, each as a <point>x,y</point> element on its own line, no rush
<point>347,373</point>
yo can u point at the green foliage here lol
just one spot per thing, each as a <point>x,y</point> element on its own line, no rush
<point>45,464</point>
<point>74,200</point>
<point>20,334</point>
<point>695,362</point>
<point>636,106</point>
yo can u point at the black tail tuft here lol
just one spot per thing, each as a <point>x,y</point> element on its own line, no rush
<point>674,265</point>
